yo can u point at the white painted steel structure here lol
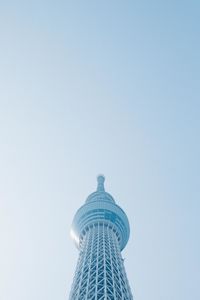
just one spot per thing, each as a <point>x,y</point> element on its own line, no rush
<point>100,230</point>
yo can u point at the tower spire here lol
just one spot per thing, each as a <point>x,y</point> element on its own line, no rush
<point>100,183</point>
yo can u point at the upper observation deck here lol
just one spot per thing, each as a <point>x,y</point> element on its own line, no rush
<point>100,207</point>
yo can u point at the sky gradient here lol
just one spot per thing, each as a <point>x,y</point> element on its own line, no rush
<point>91,87</point>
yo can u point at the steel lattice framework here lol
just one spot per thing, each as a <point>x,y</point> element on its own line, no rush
<point>100,230</point>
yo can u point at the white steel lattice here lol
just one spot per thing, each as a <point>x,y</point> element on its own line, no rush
<point>100,272</point>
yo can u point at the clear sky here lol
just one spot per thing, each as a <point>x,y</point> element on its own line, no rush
<point>89,87</point>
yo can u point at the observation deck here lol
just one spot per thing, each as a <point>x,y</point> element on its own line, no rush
<point>100,208</point>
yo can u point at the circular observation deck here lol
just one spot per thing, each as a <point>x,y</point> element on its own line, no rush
<point>100,208</point>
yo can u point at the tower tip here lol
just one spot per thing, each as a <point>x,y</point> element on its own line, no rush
<point>100,183</point>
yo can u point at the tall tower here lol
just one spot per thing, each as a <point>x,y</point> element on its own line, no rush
<point>100,230</point>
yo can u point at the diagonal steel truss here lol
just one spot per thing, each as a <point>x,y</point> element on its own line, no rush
<point>100,272</point>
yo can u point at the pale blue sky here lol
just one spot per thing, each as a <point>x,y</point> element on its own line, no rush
<point>90,87</point>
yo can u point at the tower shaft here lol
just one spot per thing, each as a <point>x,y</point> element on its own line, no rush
<point>100,272</point>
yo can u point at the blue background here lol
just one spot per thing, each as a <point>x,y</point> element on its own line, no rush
<point>89,87</point>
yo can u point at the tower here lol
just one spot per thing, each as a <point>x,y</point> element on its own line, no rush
<point>100,230</point>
